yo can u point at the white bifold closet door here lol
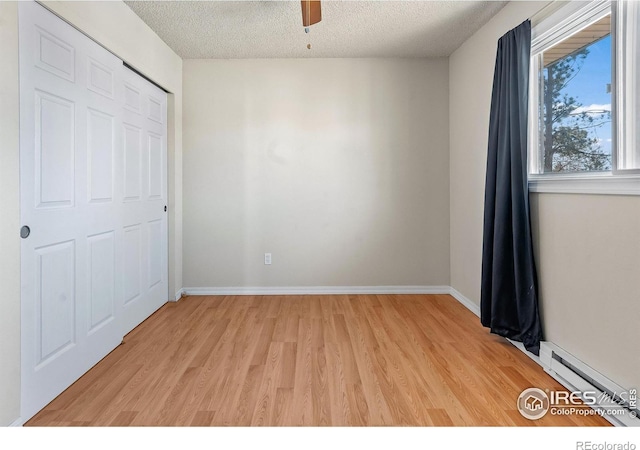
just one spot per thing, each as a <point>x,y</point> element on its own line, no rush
<point>143,200</point>
<point>93,195</point>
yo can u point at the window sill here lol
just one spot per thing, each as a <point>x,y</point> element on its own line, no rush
<point>594,184</point>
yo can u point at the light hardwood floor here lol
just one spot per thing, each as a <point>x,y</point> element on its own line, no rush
<point>361,360</point>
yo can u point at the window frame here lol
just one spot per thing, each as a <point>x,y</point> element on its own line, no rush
<point>559,22</point>
<point>619,73</point>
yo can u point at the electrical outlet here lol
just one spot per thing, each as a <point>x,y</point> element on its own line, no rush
<point>267,259</point>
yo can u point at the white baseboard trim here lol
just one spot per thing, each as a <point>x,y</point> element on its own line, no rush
<point>467,303</point>
<point>520,346</point>
<point>179,295</point>
<point>316,290</point>
<point>17,423</point>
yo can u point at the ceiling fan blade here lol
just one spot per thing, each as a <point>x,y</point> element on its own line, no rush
<point>310,12</point>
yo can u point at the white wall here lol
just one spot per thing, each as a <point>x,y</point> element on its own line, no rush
<point>116,27</point>
<point>588,249</point>
<point>587,246</point>
<point>338,167</point>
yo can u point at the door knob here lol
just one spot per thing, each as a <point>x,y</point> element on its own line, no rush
<point>25,231</point>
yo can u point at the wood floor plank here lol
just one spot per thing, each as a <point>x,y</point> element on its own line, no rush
<point>124,419</point>
<point>302,377</point>
<point>321,404</point>
<point>203,419</point>
<point>332,360</point>
<point>281,407</point>
<point>264,412</point>
<point>363,342</point>
<point>248,396</point>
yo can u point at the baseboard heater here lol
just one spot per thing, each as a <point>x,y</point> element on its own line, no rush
<point>577,376</point>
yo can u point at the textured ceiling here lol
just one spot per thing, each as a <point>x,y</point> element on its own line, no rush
<point>273,29</point>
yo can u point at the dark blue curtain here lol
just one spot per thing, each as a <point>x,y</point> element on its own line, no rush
<point>509,301</point>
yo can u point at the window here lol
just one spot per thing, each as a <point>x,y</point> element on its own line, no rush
<point>575,103</point>
<point>585,107</point>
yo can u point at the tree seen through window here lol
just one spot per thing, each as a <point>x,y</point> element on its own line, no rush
<point>576,122</point>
